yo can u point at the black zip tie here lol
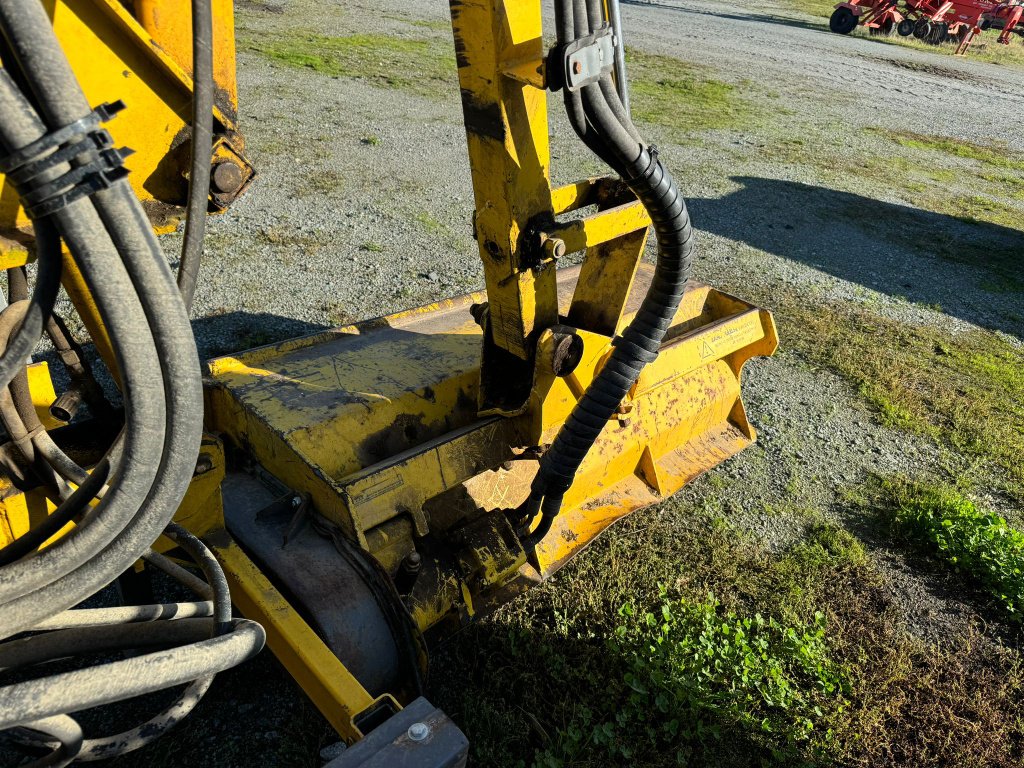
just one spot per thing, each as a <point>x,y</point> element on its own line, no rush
<point>99,164</point>
<point>84,125</point>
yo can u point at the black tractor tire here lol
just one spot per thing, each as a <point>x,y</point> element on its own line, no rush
<point>922,29</point>
<point>905,28</point>
<point>842,22</point>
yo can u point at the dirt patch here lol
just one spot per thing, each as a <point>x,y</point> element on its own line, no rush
<point>929,68</point>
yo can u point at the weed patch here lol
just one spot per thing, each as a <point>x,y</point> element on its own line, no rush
<point>570,677</point>
<point>691,663</point>
<point>423,66</point>
<point>991,155</point>
<point>974,542</point>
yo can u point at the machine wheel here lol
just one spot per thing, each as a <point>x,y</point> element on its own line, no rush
<point>842,22</point>
<point>939,33</point>
<point>905,28</point>
<point>922,29</point>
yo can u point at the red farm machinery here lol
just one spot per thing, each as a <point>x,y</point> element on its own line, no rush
<point>931,21</point>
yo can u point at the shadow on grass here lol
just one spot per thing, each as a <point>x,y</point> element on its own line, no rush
<point>971,270</point>
<point>535,698</point>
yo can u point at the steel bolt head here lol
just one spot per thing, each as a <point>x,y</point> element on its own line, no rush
<point>554,247</point>
<point>227,177</point>
<point>577,67</point>
<point>418,731</point>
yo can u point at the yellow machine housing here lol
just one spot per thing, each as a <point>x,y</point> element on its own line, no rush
<point>401,442</point>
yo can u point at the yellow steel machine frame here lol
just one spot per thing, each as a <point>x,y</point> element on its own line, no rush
<point>414,432</point>
<point>405,439</point>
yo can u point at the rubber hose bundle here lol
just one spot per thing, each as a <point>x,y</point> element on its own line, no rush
<point>128,500</point>
<point>599,118</point>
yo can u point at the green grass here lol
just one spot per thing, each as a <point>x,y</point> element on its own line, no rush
<point>693,663</point>
<point>822,8</point>
<point>431,225</point>
<point>797,660</point>
<point>995,155</point>
<point>678,96</point>
<point>927,172</point>
<point>421,65</point>
<point>998,175</point>
<point>965,390</point>
<point>928,175</point>
<point>973,541</point>
<point>984,48</point>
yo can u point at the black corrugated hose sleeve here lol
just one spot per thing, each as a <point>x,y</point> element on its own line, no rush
<point>639,343</point>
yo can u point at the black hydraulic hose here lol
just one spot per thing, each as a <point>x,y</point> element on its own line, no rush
<point>640,342</point>
<point>125,614</point>
<point>22,584</point>
<point>65,643</point>
<point>179,574</point>
<point>44,295</point>
<point>571,20</point>
<point>202,149</point>
<point>68,735</point>
<point>39,55</point>
<point>128,678</point>
<point>186,701</point>
<point>106,637</point>
<point>49,458</point>
<point>215,577</point>
<point>17,285</point>
<point>621,83</point>
<point>83,383</point>
<point>151,463</point>
<point>17,411</point>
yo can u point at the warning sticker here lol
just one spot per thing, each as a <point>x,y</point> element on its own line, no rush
<point>706,351</point>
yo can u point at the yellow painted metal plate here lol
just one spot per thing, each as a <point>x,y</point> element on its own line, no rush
<point>378,423</point>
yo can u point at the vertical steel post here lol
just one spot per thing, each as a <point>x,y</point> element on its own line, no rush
<point>507,136</point>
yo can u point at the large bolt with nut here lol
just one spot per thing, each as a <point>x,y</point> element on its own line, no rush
<point>554,247</point>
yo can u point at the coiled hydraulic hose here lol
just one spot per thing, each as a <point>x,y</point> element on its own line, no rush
<point>599,118</point>
<point>131,495</point>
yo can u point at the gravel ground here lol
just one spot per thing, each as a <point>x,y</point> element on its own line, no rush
<point>363,207</point>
